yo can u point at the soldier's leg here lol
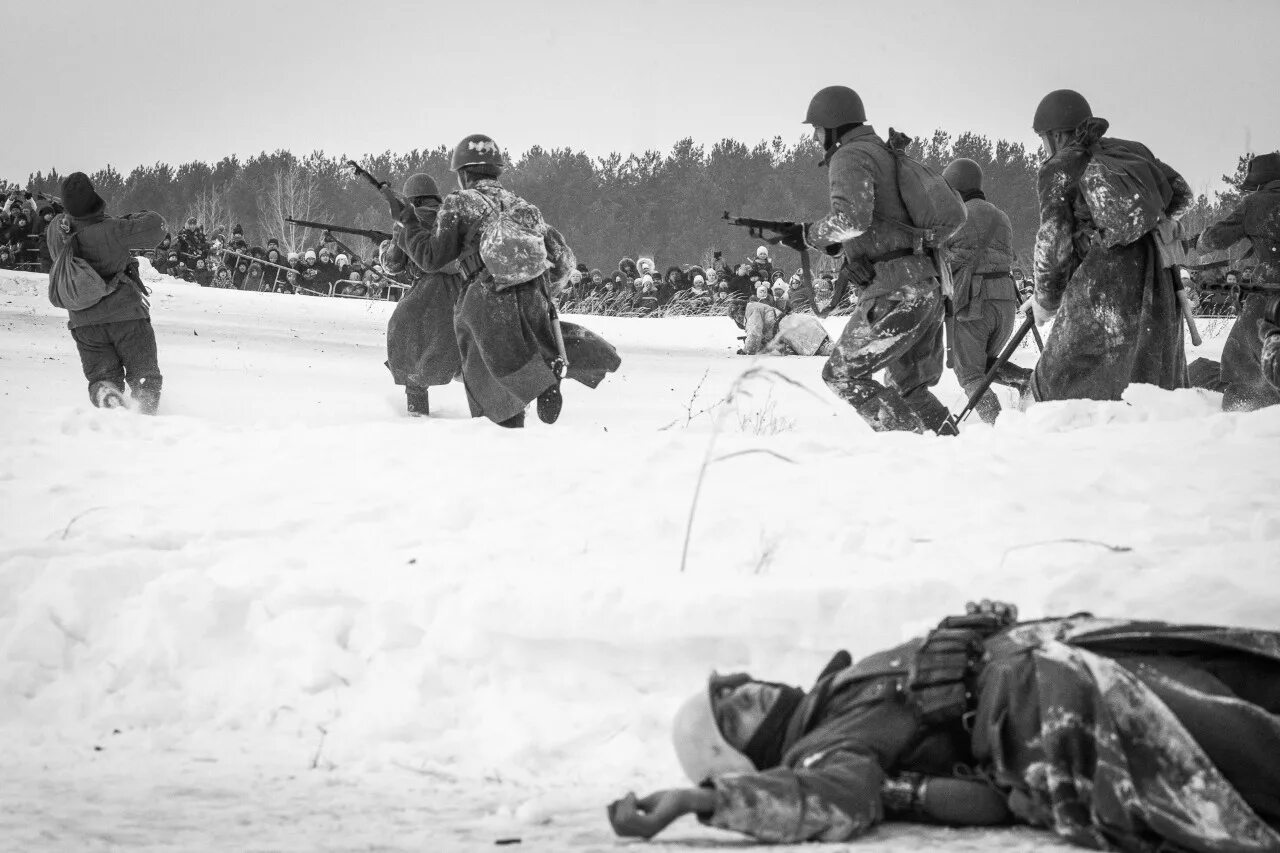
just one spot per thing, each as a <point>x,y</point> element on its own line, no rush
<point>403,339</point>
<point>761,326</point>
<point>969,348</point>
<point>101,364</point>
<point>920,366</point>
<point>135,342</point>
<point>873,338</point>
<point>1245,388</point>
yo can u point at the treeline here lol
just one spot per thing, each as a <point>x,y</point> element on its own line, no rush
<point>664,205</point>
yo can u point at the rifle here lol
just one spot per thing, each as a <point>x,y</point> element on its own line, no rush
<point>381,186</point>
<point>375,236</point>
<point>757,228</point>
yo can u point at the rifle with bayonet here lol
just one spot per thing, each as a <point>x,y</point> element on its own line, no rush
<point>774,231</point>
<point>368,234</point>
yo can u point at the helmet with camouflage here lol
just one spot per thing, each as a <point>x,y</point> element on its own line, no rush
<point>419,185</point>
<point>477,151</point>
<point>835,106</point>
<point>1061,109</point>
<point>964,175</point>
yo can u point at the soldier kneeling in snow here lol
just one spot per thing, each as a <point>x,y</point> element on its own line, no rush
<point>112,326</point>
<point>1093,728</point>
<point>777,331</point>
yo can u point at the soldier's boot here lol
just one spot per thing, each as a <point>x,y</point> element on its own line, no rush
<point>106,394</point>
<point>886,411</point>
<point>417,401</point>
<point>1015,376</point>
<point>516,421</point>
<point>146,394</point>
<point>929,410</point>
<point>550,402</point>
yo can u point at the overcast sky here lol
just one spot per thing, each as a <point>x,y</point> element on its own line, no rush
<point>140,82</point>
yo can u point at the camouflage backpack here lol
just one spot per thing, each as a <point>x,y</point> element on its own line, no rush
<point>1126,193</point>
<point>512,245</point>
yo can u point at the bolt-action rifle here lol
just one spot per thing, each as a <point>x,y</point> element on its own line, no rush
<point>368,234</point>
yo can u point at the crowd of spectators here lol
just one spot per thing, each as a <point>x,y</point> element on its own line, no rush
<point>24,218</point>
<point>330,268</point>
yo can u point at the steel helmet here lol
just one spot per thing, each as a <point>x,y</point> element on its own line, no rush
<point>1061,109</point>
<point>1263,169</point>
<point>700,747</point>
<point>476,150</point>
<point>835,106</point>
<point>419,185</point>
<point>964,175</point>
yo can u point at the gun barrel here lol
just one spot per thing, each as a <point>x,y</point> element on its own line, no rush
<point>376,236</point>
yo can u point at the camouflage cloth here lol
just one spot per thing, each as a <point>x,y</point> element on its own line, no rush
<point>1118,319</point>
<point>848,734</point>
<point>1136,736</point>
<point>504,337</point>
<point>898,326</point>
<point>986,299</point>
<point>422,347</point>
<point>773,332</point>
<point>1256,219</point>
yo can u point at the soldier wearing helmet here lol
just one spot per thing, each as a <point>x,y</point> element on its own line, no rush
<point>422,349</point>
<point>986,300</point>
<point>1251,356</point>
<point>1117,318</point>
<point>505,331</point>
<point>898,327</point>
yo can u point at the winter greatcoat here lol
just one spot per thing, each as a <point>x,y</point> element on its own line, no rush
<point>1092,728</point>
<point>1118,319</point>
<point>505,337</point>
<point>1256,219</point>
<point>898,325</point>
<point>422,345</point>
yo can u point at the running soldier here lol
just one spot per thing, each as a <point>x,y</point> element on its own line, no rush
<point>504,322</point>
<point>986,300</point>
<point>899,323</point>
<point>114,335</point>
<point>422,348</point>
<point>1117,315</point>
<point>1249,358</point>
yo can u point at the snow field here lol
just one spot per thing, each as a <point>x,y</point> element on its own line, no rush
<point>283,570</point>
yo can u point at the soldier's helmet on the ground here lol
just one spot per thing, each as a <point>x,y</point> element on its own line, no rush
<point>1263,169</point>
<point>700,746</point>
<point>476,150</point>
<point>1061,109</point>
<point>419,185</point>
<point>964,175</point>
<point>835,106</point>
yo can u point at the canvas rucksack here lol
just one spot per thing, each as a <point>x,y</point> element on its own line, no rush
<point>73,284</point>
<point>935,209</point>
<point>1126,193</point>
<point>512,245</point>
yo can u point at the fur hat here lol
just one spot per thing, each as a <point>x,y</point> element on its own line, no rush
<point>628,267</point>
<point>236,229</point>
<point>79,196</point>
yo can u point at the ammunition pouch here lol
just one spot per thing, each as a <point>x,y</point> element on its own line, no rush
<point>942,676</point>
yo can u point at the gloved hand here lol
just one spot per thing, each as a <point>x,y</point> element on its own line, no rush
<point>1041,314</point>
<point>397,206</point>
<point>796,237</point>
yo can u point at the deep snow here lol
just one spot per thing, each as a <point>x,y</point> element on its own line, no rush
<point>474,634</point>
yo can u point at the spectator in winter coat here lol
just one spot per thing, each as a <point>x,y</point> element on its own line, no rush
<point>238,243</point>
<point>222,279</point>
<point>190,243</point>
<point>646,301</point>
<point>700,297</point>
<point>6,258</point>
<point>114,335</point>
<point>1086,727</point>
<point>253,280</point>
<point>202,276</point>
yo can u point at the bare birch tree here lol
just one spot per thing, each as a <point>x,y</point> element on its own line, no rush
<point>290,192</point>
<point>212,210</point>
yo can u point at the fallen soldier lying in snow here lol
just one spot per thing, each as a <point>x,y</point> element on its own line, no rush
<point>1115,734</point>
<point>774,332</point>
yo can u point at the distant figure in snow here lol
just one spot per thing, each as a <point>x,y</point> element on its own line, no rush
<point>985,300</point>
<point>1118,319</point>
<point>514,265</point>
<point>1248,378</point>
<point>1115,734</point>
<point>114,336</point>
<point>422,347</point>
